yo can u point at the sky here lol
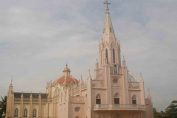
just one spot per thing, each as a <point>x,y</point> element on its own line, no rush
<point>38,37</point>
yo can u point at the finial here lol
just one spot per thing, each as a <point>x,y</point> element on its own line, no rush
<point>124,61</point>
<point>11,81</point>
<point>90,74</point>
<point>96,63</point>
<point>141,75</point>
<point>81,80</point>
<point>107,6</point>
<point>149,93</point>
<point>81,76</point>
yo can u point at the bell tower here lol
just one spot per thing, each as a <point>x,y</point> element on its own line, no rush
<point>109,48</point>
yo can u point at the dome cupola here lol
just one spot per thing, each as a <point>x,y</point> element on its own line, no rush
<point>66,71</point>
<point>66,79</point>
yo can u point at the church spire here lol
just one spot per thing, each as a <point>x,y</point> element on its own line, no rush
<point>108,32</point>
<point>109,48</point>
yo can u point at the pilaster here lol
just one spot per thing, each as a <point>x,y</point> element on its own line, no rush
<point>31,107</point>
<point>21,106</point>
<point>40,105</point>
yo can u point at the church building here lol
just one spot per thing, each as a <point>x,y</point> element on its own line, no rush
<point>112,93</point>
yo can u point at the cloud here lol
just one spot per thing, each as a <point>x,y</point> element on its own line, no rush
<point>37,38</point>
<point>150,47</point>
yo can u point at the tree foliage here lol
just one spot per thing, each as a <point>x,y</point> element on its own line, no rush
<point>158,114</point>
<point>171,110</point>
<point>3,102</point>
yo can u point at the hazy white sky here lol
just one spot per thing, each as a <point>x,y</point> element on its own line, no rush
<point>38,37</point>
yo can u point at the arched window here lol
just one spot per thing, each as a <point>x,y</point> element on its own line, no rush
<point>34,112</point>
<point>25,114</point>
<point>134,99</point>
<point>16,112</point>
<point>115,69</point>
<point>113,55</point>
<point>98,99</point>
<point>107,56</point>
<point>116,99</point>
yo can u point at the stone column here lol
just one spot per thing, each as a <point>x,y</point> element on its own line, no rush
<point>31,107</point>
<point>21,106</point>
<point>40,106</point>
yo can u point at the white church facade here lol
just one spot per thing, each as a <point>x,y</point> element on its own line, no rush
<point>112,93</point>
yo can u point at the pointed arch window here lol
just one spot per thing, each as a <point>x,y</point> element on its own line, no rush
<point>34,113</point>
<point>116,98</point>
<point>134,99</point>
<point>113,55</point>
<point>98,99</point>
<point>107,56</point>
<point>16,112</point>
<point>115,70</point>
<point>25,114</point>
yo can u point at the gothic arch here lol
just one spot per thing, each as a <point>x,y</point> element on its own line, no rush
<point>34,113</point>
<point>113,55</point>
<point>98,99</point>
<point>116,98</point>
<point>134,99</point>
<point>16,112</point>
<point>25,114</point>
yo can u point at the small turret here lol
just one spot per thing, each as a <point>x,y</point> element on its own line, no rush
<point>124,62</point>
<point>10,101</point>
<point>66,71</point>
<point>10,88</point>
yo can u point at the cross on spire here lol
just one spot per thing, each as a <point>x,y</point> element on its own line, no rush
<point>107,6</point>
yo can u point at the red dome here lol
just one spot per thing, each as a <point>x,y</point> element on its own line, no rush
<point>67,80</point>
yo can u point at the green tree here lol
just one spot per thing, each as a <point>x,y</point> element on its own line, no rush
<point>3,105</point>
<point>160,114</point>
<point>171,110</point>
<point>157,114</point>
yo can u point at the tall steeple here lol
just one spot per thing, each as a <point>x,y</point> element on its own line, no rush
<point>109,49</point>
<point>108,31</point>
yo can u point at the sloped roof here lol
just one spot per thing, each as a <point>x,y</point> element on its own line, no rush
<point>132,81</point>
<point>131,78</point>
